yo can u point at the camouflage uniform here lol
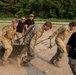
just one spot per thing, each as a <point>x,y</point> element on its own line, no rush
<point>61,35</point>
<point>8,34</point>
<point>32,34</point>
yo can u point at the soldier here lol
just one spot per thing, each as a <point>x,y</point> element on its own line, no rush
<point>8,34</point>
<point>32,34</point>
<point>61,35</point>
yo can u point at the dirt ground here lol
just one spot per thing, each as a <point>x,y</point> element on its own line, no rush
<point>40,65</point>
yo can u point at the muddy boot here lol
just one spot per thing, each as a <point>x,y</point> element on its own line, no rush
<point>19,61</point>
<point>25,61</point>
<point>56,63</point>
<point>27,64</point>
<point>51,61</point>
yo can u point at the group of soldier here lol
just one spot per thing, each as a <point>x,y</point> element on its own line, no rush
<point>30,34</point>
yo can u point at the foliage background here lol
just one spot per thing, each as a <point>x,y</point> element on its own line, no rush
<point>59,9</point>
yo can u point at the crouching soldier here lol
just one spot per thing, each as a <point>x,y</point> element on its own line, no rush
<point>31,36</point>
<point>7,39</point>
<point>61,35</point>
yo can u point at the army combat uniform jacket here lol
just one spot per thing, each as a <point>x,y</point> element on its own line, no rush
<point>31,35</point>
<point>8,34</point>
<point>61,34</point>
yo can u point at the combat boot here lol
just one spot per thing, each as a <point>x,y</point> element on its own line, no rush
<point>25,61</point>
<point>56,63</point>
<point>27,64</point>
<point>51,61</point>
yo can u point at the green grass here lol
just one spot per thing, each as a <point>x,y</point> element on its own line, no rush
<point>51,19</point>
<point>56,20</point>
<point>5,18</point>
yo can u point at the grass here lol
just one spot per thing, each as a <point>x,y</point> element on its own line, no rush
<point>56,20</point>
<point>38,19</point>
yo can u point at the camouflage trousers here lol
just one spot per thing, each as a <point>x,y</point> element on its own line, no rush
<point>26,57</point>
<point>8,48</point>
<point>26,54</point>
<point>72,63</point>
<point>29,43</point>
<point>61,50</point>
<point>19,35</point>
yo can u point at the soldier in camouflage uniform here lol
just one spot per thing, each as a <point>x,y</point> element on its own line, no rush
<point>61,35</point>
<point>31,36</point>
<point>7,39</point>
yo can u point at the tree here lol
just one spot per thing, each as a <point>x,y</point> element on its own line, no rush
<point>40,8</point>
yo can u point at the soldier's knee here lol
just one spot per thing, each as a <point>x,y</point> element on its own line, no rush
<point>9,50</point>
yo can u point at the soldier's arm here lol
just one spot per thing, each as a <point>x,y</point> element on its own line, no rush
<point>23,31</point>
<point>61,29</point>
<point>13,38</point>
<point>26,26</point>
<point>34,40</point>
<point>28,30</point>
<point>52,36</point>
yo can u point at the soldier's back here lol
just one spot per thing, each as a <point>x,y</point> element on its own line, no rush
<point>65,33</point>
